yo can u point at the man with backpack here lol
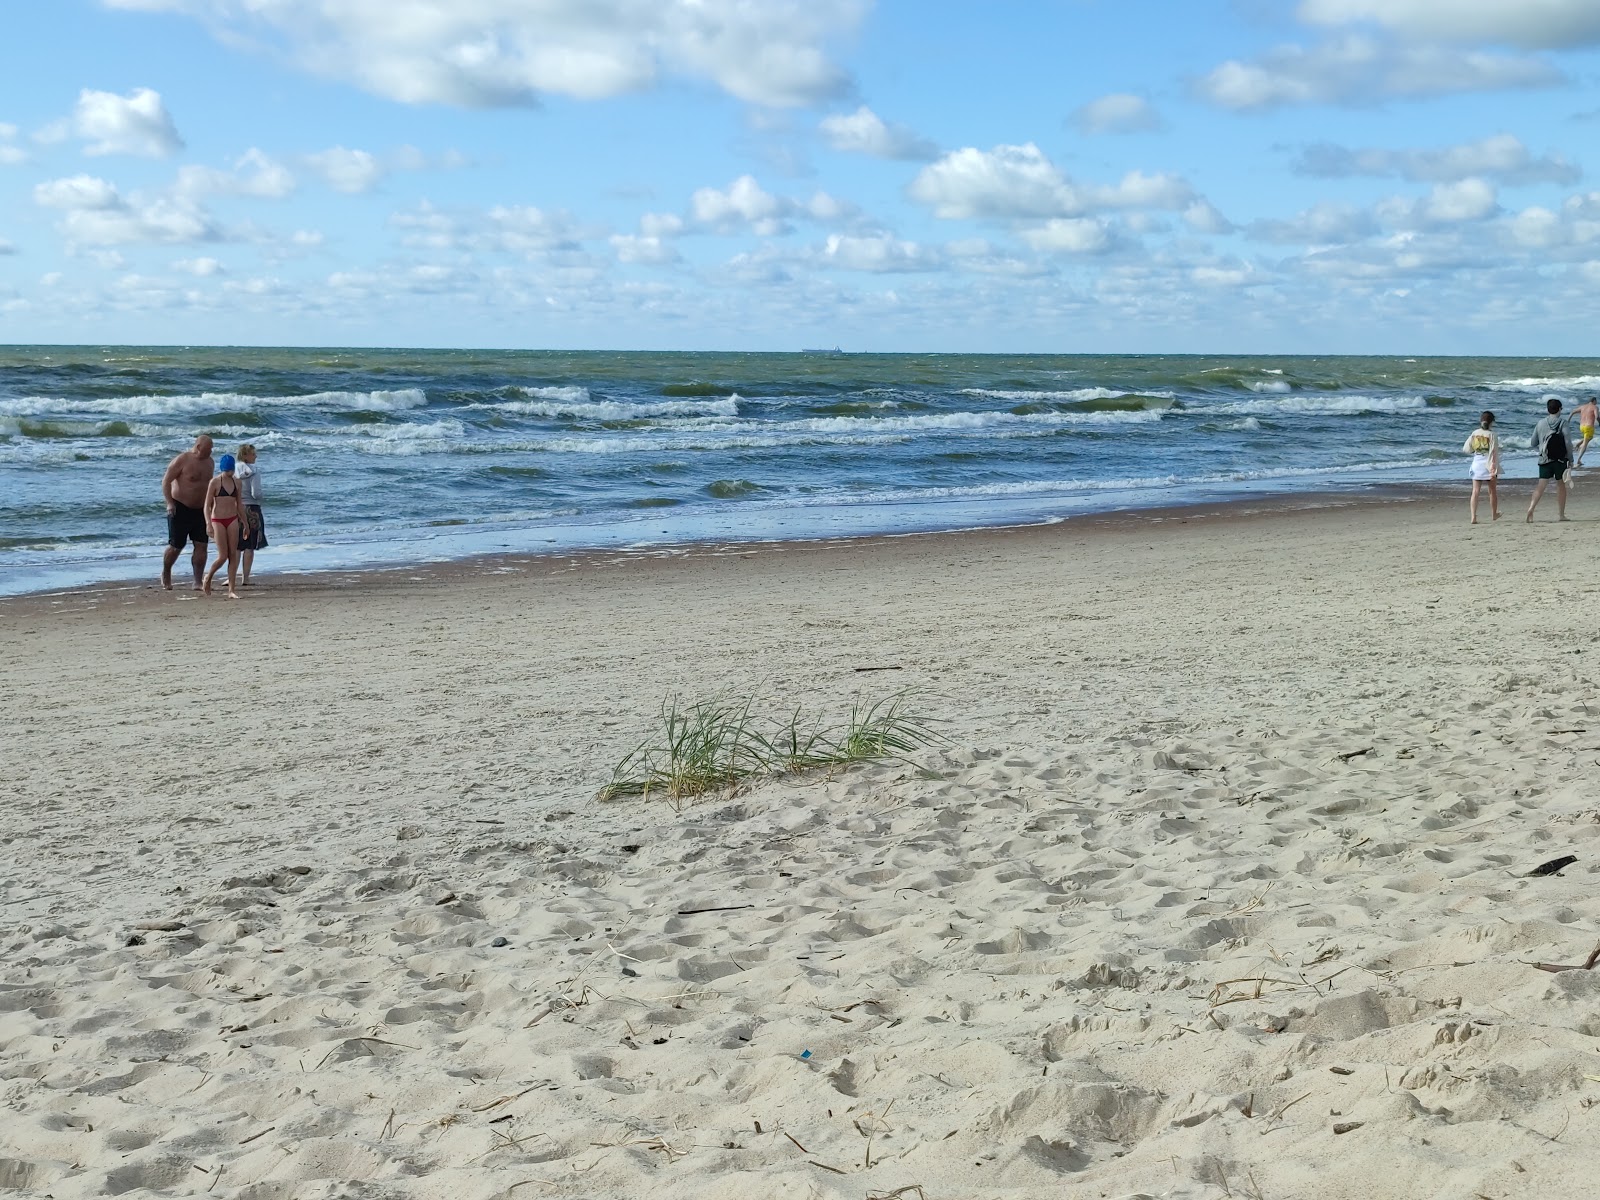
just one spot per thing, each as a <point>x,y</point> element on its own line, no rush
<point>1555,458</point>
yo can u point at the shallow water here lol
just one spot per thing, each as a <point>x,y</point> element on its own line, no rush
<point>372,456</point>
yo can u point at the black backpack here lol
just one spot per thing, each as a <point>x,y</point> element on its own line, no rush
<point>1555,446</point>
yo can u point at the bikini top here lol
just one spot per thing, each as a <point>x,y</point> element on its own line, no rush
<point>235,491</point>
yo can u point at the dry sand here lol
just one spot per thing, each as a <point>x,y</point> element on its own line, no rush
<point>1219,890</point>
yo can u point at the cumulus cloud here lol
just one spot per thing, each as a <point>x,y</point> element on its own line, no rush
<point>539,234</point>
<point>865,132</point>
<point>743,204</point>
<point>95,213</point>
<point>254,174</point>
<point>643,249</point>
<point>506,52</point>
<point>1355,69</point>
<point>1071,235</point>
<point>878,253</point>
<point>137,124</point>
<point>1536,24</point>
<point>1502,157</point>
<point>1005,183</point>
<point>348,171</point>
<point>1138,190</point>
<point>1020,185</point>
<point>11,154</point>
<point>1203,217</point>
<point>200,268</point>
<point>1447,204</point>
<point>1325,223</point>
<point>1120,112</point>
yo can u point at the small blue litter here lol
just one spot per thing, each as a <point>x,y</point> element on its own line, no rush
<point>805,1054</point>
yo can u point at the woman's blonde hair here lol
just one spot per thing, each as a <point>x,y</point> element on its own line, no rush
<point>247,448</point>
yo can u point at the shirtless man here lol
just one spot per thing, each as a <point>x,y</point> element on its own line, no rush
<point>1588,418</point>
<point>184,489</point>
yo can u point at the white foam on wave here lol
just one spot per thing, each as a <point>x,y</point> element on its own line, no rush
<point>1270,385</point>
<point>1075,395</point>
<point>581,407</point>
<point>1047,487</point>
<point>1311,406</point>
<point>564,394</point>
<point>703,435</point>
<point>976,421</point>
<point>156,406</point>
<point>1548,383</point>
<point>410,431</point>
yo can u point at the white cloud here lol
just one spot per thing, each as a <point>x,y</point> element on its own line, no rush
<point>864,132</point>
<point>348,171</point>
<point>1501,156</point>
<point>1203,217</point>
<point>878,253</point>
<point>11,154</point>
<point>1537,227</point>
<point>1020,186</point>
<point>1007,182</point>
<point>1537,24</point>
<point>979,255</point>
<point>744,204</point>
<point>502,52</point>
<point>137,123</point>
<point>1354,69</point>
<point>1229,274</point>
<point>660,225</point>
<point>77,192</point>
<point>6,247</point>
<point>1466,201</point>
<point>1138,190</point>
<point>201,268</point>
<point>255,174</point>
<point>639,248</point>
<point>1120,112</point>
<point>538,234</point>
<point>96,214</point>
<point>1326,223</point>
<point>1071,235</point>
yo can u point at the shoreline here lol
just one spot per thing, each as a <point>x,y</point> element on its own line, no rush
<point>500,562</point>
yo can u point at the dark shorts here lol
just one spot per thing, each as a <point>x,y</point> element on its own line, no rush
<point>255,529</point>
<point>184,523</point>
<point>1554,469</point>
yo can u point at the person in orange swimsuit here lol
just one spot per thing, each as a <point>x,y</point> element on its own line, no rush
<point>223,510</point>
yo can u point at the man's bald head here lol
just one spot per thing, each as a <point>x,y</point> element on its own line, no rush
<point>202,445</point>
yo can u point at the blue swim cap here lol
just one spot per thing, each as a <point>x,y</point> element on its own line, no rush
<point>225,463</point>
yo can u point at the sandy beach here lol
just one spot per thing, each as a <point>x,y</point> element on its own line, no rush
<point>1220,887</point>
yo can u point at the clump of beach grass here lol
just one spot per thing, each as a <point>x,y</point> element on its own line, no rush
<point>715,745</point>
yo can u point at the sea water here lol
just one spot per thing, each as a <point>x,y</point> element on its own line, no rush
<point>374,457</point>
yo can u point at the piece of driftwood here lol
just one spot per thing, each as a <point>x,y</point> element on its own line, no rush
<point>1554,866</point>
<point>1586,965</point>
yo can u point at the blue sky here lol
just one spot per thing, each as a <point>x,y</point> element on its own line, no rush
<point>1246,176</point>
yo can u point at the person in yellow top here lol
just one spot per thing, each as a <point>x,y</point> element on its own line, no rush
<point>1484,447</point>
<point>1588,418</point>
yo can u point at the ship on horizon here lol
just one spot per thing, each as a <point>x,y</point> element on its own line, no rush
<point>821,350</point>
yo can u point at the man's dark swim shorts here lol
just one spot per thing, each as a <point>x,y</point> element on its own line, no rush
<point>1554,469</point>
<point>184,523</point>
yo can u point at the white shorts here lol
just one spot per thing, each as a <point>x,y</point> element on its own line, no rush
<point>1480,468</point>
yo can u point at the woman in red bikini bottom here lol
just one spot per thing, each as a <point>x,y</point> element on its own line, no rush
<point>223,511</point>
